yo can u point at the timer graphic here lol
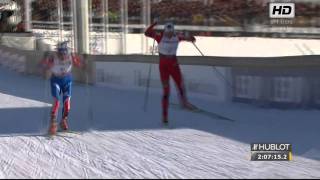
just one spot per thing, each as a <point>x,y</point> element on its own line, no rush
<point>271,152</point>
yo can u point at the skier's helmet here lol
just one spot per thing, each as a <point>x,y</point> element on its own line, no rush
<point>62,47</point>
<point>169,27</point>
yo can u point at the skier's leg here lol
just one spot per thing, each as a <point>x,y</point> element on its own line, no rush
<point>55,91</point>
<point>176,74</point>
<point>66,105</point>
<point>55,107</point>
<point>66,109</point>
<point>164,75</point>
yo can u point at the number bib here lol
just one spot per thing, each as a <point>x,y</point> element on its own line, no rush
<point>169,46</point>
<point>61,67</point>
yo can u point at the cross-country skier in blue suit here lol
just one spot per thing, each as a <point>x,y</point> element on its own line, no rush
<point>59,65</point>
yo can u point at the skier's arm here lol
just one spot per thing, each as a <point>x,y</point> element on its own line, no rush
<point>78,61</point>
<point>46,63</point>
<point>150,32</point>
<point>187,38</point>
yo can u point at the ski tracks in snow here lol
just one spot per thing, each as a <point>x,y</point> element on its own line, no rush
<point>178,153</point>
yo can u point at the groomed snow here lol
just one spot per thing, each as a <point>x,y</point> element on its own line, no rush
<point>121,141</point>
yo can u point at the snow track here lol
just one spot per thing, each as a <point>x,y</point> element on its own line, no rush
<point>124,142</point>
<point>141,154</point>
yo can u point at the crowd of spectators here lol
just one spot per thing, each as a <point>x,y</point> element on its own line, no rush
<point>224,12</point>
<point>11,16</point>
<point>44,10</point>
<point>183,12</point>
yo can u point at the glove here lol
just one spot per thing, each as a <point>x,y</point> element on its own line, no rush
<point>156,20</point>
<point>47,74</point>
<point>192,39</point>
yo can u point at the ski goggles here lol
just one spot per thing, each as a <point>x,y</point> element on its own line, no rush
<point>169,27</point>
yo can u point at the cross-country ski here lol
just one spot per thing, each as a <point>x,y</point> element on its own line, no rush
<point>202,112</point>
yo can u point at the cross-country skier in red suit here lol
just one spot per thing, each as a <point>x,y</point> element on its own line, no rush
<point>168,42</point>
<point>60,65</point>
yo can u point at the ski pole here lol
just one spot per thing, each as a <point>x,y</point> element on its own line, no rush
<point>214,68</point>
<point>90,113</point>
<point>146,97</point>
<point>46,98</point>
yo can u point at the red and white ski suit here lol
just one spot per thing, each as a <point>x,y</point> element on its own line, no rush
<point>168,65</point>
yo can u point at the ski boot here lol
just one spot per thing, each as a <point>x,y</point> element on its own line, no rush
<point>53,126</point>
<point>188,106</point>
<point>165,120</point>
<point>64,124</point>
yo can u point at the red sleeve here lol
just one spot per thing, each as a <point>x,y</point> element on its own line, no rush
<point>47,63</point>
<point>150,32</point>
<point>181,38</point>
<point>76,60</point>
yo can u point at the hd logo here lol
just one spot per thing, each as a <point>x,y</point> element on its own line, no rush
<point>282,10</point>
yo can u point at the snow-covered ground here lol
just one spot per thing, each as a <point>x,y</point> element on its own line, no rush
<point>122,141</point>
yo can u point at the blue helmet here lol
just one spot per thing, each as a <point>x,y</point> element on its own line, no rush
<point>169,27</point>
<point>62,47</point>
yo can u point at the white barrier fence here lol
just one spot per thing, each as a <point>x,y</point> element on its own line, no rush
<point>13,61</point>
<point>287,79</point>
<point>115,44</point>
<point>199,80</point>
